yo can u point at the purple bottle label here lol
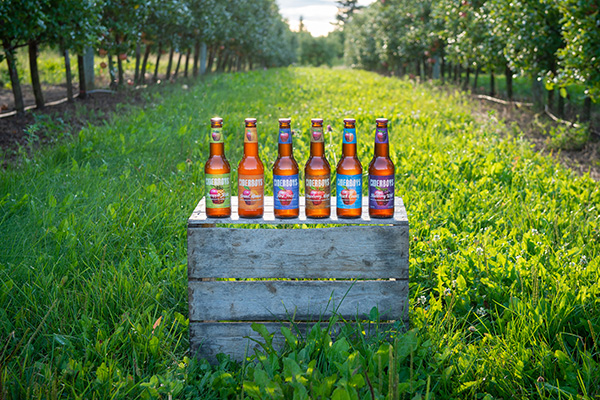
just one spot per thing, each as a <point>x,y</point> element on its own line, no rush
<point>381,192</point>
<point>285,191</point>
<point>349,191</point>
<point>381,135</point>
<point>285,136</point>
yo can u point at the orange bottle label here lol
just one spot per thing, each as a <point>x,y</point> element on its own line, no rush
<point>318,192</point>
<point>251,192</point>
<point>250,136</point>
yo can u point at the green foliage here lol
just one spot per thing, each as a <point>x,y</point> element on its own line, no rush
<point>504,266</point>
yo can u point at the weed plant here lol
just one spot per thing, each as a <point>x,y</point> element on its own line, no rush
<point>504,260</point>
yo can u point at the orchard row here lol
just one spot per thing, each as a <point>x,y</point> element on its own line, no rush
<point>286,184</point>
<point>554,42</point>
<point>224,35</point>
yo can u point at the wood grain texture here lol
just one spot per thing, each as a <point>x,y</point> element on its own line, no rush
<point>234,338</point>
<point>199,217</point>
<point>298,300</point>
<point>345,252</point>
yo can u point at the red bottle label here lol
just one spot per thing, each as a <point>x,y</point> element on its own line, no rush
<point>318,192</point>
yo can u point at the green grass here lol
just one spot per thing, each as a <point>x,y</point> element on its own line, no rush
<point>504,261</point>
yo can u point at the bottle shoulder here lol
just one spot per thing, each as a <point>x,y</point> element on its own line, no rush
<point>349,165</point>
<point>381,166</point>
<point>251,165</point>
<point>217,163</point>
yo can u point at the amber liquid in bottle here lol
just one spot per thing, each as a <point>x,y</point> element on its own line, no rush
<point>349,175</point>
<point>317,175</point>
<point>381,175</point>
<point>217,174</point>
<point>286,184</point>
<point>251,174</point>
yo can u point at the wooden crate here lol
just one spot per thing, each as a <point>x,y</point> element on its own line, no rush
<point>304,273</point>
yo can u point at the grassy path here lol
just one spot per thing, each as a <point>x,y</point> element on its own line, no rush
<point>505,253</point>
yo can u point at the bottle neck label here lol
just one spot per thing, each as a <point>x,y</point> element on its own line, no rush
<point>381,192</point>
<point>218,190</point>
<point>349,191</point>
<point>318,192</point>
<point>349,136</point>
<point>317,135</point>
<point>216,135</point>
<point>286,192</point>
<point>381,135</point>
<point>285,136</point>
<point>250,136</point>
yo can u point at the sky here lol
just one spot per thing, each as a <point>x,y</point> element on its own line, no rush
<point>318,14</point>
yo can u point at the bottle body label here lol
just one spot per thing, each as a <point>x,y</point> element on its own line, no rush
<point>250,192</point>
<point>349,136</point>
<point>349,191</point>
<point>381,192</point>
<point>285,135</point>
<point>318,192</point>
<point>285,192</point>
<point>218,190</point>
<point>216,135</point>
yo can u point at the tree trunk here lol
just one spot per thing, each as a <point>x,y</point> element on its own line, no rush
<point>211,58</point>
<point>536,91</point>
<point>492,84</point>
<point>509,82</point>
<point>202,58</point>
<point>81,71</point>
<point>187,62</point>
<point>550,99</point>
<point>170,63</point>
<point>459,74</point>
<point>120,68</point>
<point>142,77</point>
<point>467,79</point>
<point>230,65</point>
<point>14,80</point>
<point>561,106</point>
<point>196,58</point>
<point>443,69</point>
<point>111,71</point>
<point>476,77</point>
<point>250,64</point>
<point>35,74</point>
<point>239,64</point>
<point>587,109</point>
<point>178,64</point>
<point>155,76</point>
<point>138,51</point>
<point>68,75</point>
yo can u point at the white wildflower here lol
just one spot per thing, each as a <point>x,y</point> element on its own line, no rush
<point>583,260</point>
<point>479,251</point>
<point>481,312</point>
<point>447,292</point>
<point>534,231</point>
<point>436,238</point>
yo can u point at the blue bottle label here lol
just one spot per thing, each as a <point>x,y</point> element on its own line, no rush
<point>349,136</point>
<point>285,136</point>
<point>349,191</point>
<point>285,191</point>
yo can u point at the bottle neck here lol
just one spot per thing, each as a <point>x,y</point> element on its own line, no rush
<point>349,150</point>
<point>317,149</point>
<point>285,150</point>
<point>251,149</point>
<point>217,149</point>
<point>382,150</point>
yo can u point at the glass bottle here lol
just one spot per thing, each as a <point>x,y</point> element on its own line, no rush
<point>285,175</point>
<point>349,175</point>
<point>317,174</point>
<point>381,175</point>
<point>217,174</point>
<point>251,174</point>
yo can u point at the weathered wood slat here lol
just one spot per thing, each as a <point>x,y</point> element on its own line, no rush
<point>209,339</point>
<point>300,300</point>
<point>199,217</point>
<point>345,252</point>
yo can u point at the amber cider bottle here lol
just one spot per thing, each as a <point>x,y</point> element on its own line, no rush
<point>349,175</point>
<point>285,175</point>
<point>381,175</point>
<point>317,174</point>
<point>251,175</point>
<point>217,174</point>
